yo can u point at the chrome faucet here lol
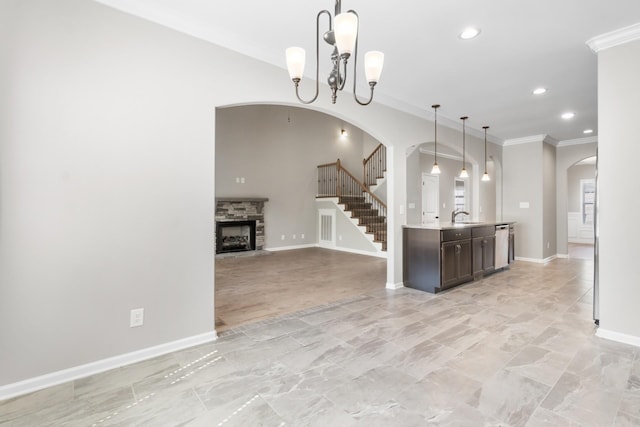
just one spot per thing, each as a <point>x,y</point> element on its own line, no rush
<point>455,213</point>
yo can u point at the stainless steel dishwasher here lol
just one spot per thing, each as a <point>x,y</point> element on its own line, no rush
<point>502,246</point>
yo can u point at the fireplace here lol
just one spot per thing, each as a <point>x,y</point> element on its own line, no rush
<point>235,236</point>
<point>239,224</point>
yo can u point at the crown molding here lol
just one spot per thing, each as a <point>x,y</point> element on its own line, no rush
<point>443,155</point>
<point>578,141</point>
<point>614,38</point>
<point>529,139</point>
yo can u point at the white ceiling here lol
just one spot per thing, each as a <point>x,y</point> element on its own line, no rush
<point>523,44</point>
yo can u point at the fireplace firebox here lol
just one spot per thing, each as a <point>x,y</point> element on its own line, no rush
<point>235,236</point>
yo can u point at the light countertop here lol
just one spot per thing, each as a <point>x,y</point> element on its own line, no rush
<point>447,225</point>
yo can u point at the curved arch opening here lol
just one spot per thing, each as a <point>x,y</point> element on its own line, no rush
<point>272,151</point>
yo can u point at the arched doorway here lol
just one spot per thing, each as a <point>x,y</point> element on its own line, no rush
<point>270,153</point>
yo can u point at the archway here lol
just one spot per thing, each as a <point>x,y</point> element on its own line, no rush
<point>271,152</point>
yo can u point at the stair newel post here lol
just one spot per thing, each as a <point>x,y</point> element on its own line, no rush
<point>338,180</point>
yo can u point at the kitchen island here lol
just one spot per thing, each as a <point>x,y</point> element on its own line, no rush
<point>442,255</point>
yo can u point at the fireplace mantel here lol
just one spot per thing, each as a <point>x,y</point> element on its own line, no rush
<point>241,199</point>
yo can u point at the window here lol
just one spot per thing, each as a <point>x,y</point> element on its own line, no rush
<point>587,200</point>
<point>460,197</point>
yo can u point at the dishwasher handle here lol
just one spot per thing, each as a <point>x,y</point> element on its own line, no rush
<point>501,227</point>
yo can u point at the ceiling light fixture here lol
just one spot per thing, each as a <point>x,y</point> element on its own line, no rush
<point>539,91</point>
<point>343,133</point>
<point>568,115</point>
<point>485,176</point>
<point>469,33</point>
<point>435,170</point>
<point>463,172</point>
<point>344,39</point>
<point>587,131</point>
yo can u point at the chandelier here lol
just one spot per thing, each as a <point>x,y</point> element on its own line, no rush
<point>343,36</point>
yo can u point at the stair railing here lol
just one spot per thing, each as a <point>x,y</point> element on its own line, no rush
<point>375,165</point>
<point>336,181</point>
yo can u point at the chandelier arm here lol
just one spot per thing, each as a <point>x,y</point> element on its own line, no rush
<point>355,65</point>
<point>297,83</point>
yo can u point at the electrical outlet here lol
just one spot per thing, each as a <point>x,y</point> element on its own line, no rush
<point>242,180</point>
<point>302,236</point>
<point>282,237</point>
<point>237,180</point>
<point>294,237</point>
<point>136,317</point>
<point>548,245</point>
<point>340,237</point>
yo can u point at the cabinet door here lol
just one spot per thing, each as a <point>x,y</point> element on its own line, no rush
<point>488,253</point>
<point>449,264</point>
<point>465,272</point>
<point>478,253</point>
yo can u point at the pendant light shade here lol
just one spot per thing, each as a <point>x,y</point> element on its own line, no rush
<point>435,170</point>
<point>485,176</point>
<point>346,31</point>
<point>463,172</point>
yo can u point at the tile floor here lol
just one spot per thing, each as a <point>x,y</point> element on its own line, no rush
<point>515,349</point>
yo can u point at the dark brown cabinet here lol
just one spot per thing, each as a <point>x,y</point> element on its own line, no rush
<point>484,250</point>
<point>435,259</point>
<point>455,262</point>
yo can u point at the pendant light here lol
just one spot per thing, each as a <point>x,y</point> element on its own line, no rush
<point>463,172</point>
<point>485,176</point>
<point>435,170</point>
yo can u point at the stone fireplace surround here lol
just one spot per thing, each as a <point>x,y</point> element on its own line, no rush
<point>230,209</point>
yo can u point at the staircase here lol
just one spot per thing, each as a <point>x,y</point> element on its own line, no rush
<point>334,181</point>
<point>367,216</point>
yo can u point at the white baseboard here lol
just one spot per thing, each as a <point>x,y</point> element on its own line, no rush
<point>395,285</point>
<point>289,248</point>
<point>59,377</point>
<point>537,260</point>
<point>562,256</point>
<point>360,252</point>
<point>619,337</point>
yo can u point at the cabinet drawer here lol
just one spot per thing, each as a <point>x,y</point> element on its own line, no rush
<point>485,231</point>
<point>457,234</point>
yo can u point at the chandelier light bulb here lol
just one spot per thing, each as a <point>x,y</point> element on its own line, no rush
<point>464,173</point>
<point>486,177</point>
<point>295,62</point>
<point>435,170</point>
<point>346,32</point>
<point>373,63</point>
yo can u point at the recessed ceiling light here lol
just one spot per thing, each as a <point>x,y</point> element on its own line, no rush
<point>539,91</point>
<point>587,131</point>
<point>568,116</point>
<point>469,33</point>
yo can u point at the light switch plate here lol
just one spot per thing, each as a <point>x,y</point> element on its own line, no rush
<point>136,317</point>
<point>524,205</point>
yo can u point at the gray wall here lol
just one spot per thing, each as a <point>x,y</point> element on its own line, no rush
<point>522,166</point>
<point>549,201</point>
<point>414,187</point>
<point>575,174</point>
<point>277,149</point>
<point>566,156</point>
<point>618,153</point>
